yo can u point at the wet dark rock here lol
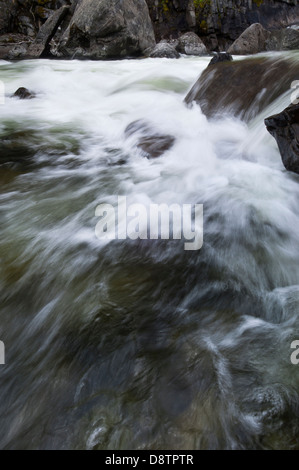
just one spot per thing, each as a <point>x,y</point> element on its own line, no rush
<point>284,127</point>
<point>220,57</point>
<point>164,49</point>
<point>251,41</point>
<point>152,143</point>
<point>191,44</point>
<point>101,30</point>
<point>24,94</point>
<point>242,88</point>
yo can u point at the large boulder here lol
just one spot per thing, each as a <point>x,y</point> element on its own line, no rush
<point>284,127</point>
<point>114,29</point>
<point>191,44</point>
<point>163,49</point>
<point>251,41</point>
<point>242,88</point>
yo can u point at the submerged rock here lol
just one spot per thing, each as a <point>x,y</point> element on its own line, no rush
<point>24,94</point>
<point>16,149</point>
<point>102,30</point>
<point>191,44</point>
<point>220,57</point>
<point>284,127</point>
<point>164,49</point>
<point>152,144</point>
<point>251,41</point>
<point>242,88</point>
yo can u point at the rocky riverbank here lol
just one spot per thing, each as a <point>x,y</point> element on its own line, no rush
<point>98,29</point>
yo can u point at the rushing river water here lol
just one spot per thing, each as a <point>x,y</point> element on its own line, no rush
<point>140,344</point>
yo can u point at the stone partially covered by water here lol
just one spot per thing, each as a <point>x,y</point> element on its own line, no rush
<point>220,57</point>
<point>24,94</point>
<point>243,88</point>
<point>150,142</point>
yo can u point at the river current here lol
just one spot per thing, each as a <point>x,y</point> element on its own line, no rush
<point>140,344</point>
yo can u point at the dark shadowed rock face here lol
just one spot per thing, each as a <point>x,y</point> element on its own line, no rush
<point>26,16</point>
<point>40,46</point>
<point>151,143</point>
<point>114,29</point>
<point>284,127</point>
<point>242,88</point>
<point>7,12</point>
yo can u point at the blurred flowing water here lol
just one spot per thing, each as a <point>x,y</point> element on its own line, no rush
<point>140,344</point>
